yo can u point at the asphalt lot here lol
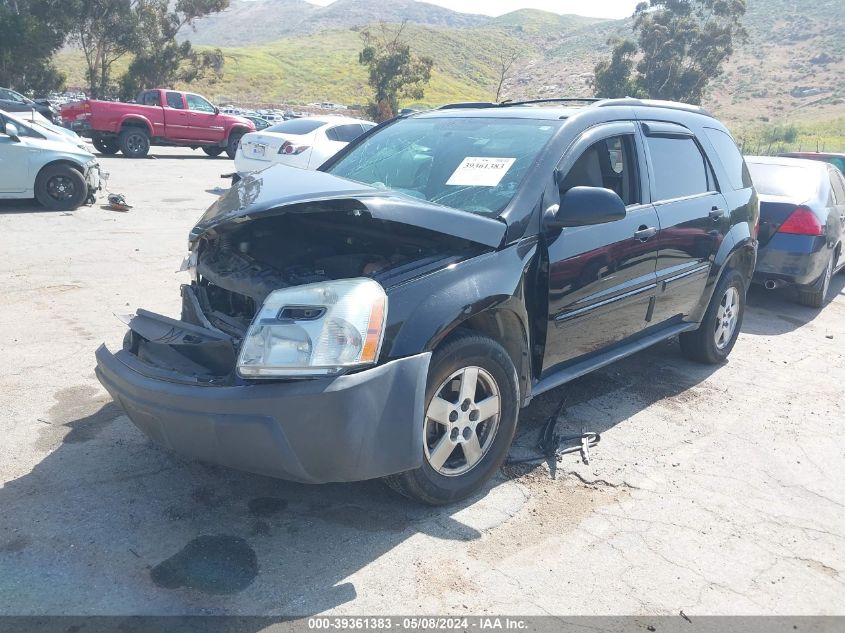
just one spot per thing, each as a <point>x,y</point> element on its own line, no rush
<point>715,490</point>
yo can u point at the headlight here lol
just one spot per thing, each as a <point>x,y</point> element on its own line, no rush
<point>315,329</point>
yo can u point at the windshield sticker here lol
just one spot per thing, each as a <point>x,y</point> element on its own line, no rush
<point>477,171</point>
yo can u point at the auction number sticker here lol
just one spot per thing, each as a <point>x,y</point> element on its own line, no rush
<point>480,171</point>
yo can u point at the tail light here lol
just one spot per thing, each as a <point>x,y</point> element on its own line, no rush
<point>291,149</point>
<point>802,221</point>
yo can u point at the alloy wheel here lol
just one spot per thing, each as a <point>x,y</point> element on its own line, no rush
<point>135,143</point>
<point>461,421</point>
<point>727,317</point>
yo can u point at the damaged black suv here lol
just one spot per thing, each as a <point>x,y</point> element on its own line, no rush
<point>389,314</point>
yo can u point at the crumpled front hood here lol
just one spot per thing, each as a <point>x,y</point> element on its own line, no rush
<point>275,190</point>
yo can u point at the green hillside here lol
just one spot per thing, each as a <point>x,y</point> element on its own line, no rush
<point>790,69</point>
<point>324,66</point>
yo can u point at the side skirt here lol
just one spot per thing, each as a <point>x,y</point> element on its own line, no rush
<point>579,368</point>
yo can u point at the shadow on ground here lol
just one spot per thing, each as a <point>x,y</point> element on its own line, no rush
<point>776,312</point>
<point>112,524</point>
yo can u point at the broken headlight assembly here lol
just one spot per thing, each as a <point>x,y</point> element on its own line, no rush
<point>316,329</point>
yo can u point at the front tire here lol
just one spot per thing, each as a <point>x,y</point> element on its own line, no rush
<point>814,296</point>
<point>212,150</point>
<point>60,188</point>
<point>472,405</point>
<point>106,146</point>
<point>713,341</point>
<point>134,142</point>
<point>232,145</point>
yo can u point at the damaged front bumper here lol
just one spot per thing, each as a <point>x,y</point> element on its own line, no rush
<point>344,428</point>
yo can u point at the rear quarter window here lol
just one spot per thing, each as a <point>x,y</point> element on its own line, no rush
<point>731,159</point>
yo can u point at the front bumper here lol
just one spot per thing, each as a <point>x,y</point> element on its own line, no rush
<point>346,428</point>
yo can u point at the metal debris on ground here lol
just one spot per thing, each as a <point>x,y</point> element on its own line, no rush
<point>118,203</point>
<point>553,447</point>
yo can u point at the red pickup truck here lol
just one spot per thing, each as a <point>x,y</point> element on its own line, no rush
<point>159,117</point>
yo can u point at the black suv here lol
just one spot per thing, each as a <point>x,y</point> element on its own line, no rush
<point>389,314</point>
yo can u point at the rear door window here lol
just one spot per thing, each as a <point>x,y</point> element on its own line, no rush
<point>345,133</point>
<point>680,170</point>
<point>730,157</point>
<point>174,100</point>
<point>838,185</point>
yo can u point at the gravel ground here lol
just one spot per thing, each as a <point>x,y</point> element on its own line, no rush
<point>714,490</point>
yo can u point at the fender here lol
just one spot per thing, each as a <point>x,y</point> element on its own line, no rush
<point>424,311</point>
<point>134,119</point>
<point>738,250</point>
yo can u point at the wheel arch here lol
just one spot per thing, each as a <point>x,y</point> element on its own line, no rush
<point>237,129</point>
<point>504,326</point>
<point>736,254</point>
<point>61,161</point>
<point>135,121</point>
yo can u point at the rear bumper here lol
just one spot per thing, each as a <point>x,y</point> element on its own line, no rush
<point>792,259</point>
<point>346,428</point>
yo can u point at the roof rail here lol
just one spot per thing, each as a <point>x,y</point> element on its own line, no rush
<point>507,104</point>
<point>469,104</point>
<point>653,103</point>
<point>588,100</point>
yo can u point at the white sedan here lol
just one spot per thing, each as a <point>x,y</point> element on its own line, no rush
<point>306,143</point>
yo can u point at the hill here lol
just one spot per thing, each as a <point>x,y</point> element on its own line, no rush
<point>249,22</point>
<point>291,51</point>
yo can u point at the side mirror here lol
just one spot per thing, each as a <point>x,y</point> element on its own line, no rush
<point>585,206</point>
<point>12,131</point>
<point>216,110</point>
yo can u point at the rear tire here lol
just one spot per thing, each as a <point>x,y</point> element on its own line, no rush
<point>212,150</point>
<point>814,296</point>
<point>713,341</point>
<point>60,188</point>
<point>134,142</point>
<point>481,418</point>
<point>232,145</point>
<point>106,146</point>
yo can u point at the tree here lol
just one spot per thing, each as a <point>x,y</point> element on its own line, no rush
<point>681,46</point>
<point>31,31</point>
<point>105,30</point>
<point>613,78</point>
<point>160,59</point>
<point>394,71</point>
<point>504,64</point>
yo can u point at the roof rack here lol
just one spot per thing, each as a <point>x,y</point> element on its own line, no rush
<point>507,104</point>
<point>469,104</point>
<point>652,103</point>
<point>588,100</point>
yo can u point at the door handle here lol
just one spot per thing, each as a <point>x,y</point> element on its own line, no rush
<point>645,232</point>
<point>716,213</point>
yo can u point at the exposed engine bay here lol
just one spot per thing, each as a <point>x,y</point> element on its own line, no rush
<point>239,264</point>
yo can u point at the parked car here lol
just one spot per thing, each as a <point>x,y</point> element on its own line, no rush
<point>260,123</point>
<point>11,101</point>
<point>837,160</point>
<point>38,163</point>
<point>306,143</point>
<point>802,215</point>
<point>388,314</point>
<point>160,117</point>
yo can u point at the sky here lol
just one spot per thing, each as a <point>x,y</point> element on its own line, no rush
<point>591,8</point>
